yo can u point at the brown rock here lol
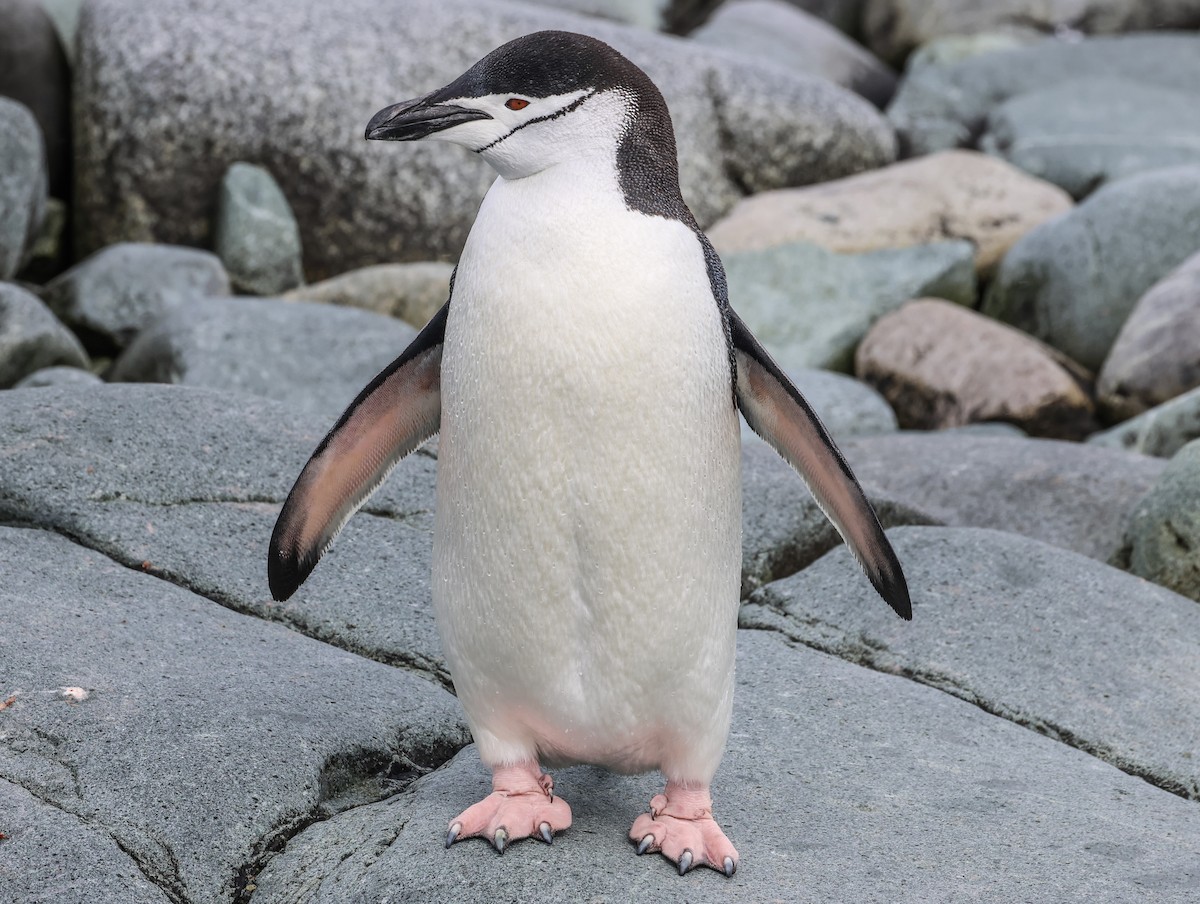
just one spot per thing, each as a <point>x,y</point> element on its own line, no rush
<point>412,292</point>
<point>941,365</point>
<point>1157,353</point>
<point>949,195</point>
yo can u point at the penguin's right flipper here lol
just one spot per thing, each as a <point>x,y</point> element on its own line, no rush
<point>395,413</point>
<point>776,411</point>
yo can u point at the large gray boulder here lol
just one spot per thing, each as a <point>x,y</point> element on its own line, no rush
<point>1162,538</point>
<point>941,107</point>
<point>1154,358</point>
<point>838,784</point>
<point>316,357</point>
<point>1084,133</point>
<point>1110,665</point>
<point>846,406</point>
<point>256,236</point>
<point>1162,431</point>
<point>1073,281</point>
<point>31,337</point>
<point>22,184</point>
<point>200,739</point>
<point>776,32</point>
<point>893,28</point>
<point>278,99</point>
<point>811,307</point>
<point>114,294</point>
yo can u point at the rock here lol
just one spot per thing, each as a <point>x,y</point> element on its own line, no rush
<point>810,307</point>
<point>842,14</point>
<point>256,236</point>
<point>844,764</point>
<point>412,292</point>
<point>65,15</point>
<point>31,337</point>
<point>951,195</point>
<point>677,16</point>
<point>950,49</point>
<point>846,406</point>
<point>194,716</point>
<point>316,357</point>
<point>892,28</point>
<point>47,253</point>
<point>1162,539</point>
<point>110,297</point>
<point>33,72</point>
<point>1073,281</point>
<point>1111,667</point>
<point>1084,133</point>
<point>22,184</point>
<point>1154,358</point>
<point>947,106</point>
<point>742,126</point>
<point>777,32</point>
<point>1162,431</point>
<point>58,376</point>
<point>51,855</point>
<point>941,365</point>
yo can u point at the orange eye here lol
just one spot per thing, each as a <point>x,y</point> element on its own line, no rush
<point>515,103</point>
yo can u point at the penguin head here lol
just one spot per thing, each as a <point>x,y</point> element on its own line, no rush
<point>534,102</point>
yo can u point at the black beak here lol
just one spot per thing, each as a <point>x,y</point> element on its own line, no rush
<point>411,120</point>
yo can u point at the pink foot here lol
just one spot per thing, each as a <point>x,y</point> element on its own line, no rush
<point>522,804</point>
<point>680,826</point>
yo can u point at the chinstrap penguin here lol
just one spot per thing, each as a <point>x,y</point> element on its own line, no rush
<point>586,376</point>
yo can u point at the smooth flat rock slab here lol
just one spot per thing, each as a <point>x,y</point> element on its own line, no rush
<point>839,784</point>
<point>949,195</point>
<point>940,107</point>
<point>1073,281</point>
<point>1056,492</point>
<point>51,856</point>
<point>742,125</point>
<point>316,357</point>
<point>1084,133</point>
<point>201,737</point>
<point>1161,431</point>
<point>1155,356</point>
<point>810,307</point>
<point>1068,646</point>
<point>942,365</point>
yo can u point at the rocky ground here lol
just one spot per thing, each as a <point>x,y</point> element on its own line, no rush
<point>969,230</point>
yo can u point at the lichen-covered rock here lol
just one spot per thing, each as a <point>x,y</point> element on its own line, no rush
<point>1072,282</point>
<point>158,124</point>
<point>256,236</point>
<point>22,184</point>
<point>110,297</point>
<point>1162,431</point>
<point>941,365</point>
<point>31,337</point>
<point>1156,356</point>
<point>412,292</point>
<point>950,195</point>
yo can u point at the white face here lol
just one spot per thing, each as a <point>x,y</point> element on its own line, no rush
<point>525,135</point>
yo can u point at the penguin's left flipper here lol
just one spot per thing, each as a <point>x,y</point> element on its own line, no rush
<point>777,412</point>
<point>395,413</point>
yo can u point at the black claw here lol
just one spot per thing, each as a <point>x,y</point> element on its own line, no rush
<point>685,862</point>
<point>547,835</point>
<point>645,845</point>
<point>452,835</point>
<point>730,867</point>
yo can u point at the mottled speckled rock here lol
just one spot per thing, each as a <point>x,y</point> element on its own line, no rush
<point>951,195</point>
<point>256,236</point>
<point>110,297</point>
<point>1072,282</point>
<point>940,107</point>
<point>1157,353</point>
<point>1163,430</point>
<point>31,337</point>
<point>941,365</point>
<point>1162,539</point>
<point>22,184</point>
<point>776,32</point>
<point>277,100</point>
<point>1085,133</point>
<point>412,292</point>
<point>811,307</point>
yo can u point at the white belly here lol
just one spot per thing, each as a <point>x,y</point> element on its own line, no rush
<point>588,537</point>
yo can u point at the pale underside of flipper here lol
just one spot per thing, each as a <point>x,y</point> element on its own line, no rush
<point>392,416</point>
<point>777,412</point>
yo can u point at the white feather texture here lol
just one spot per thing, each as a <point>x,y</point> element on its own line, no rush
<point>588,539</point>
